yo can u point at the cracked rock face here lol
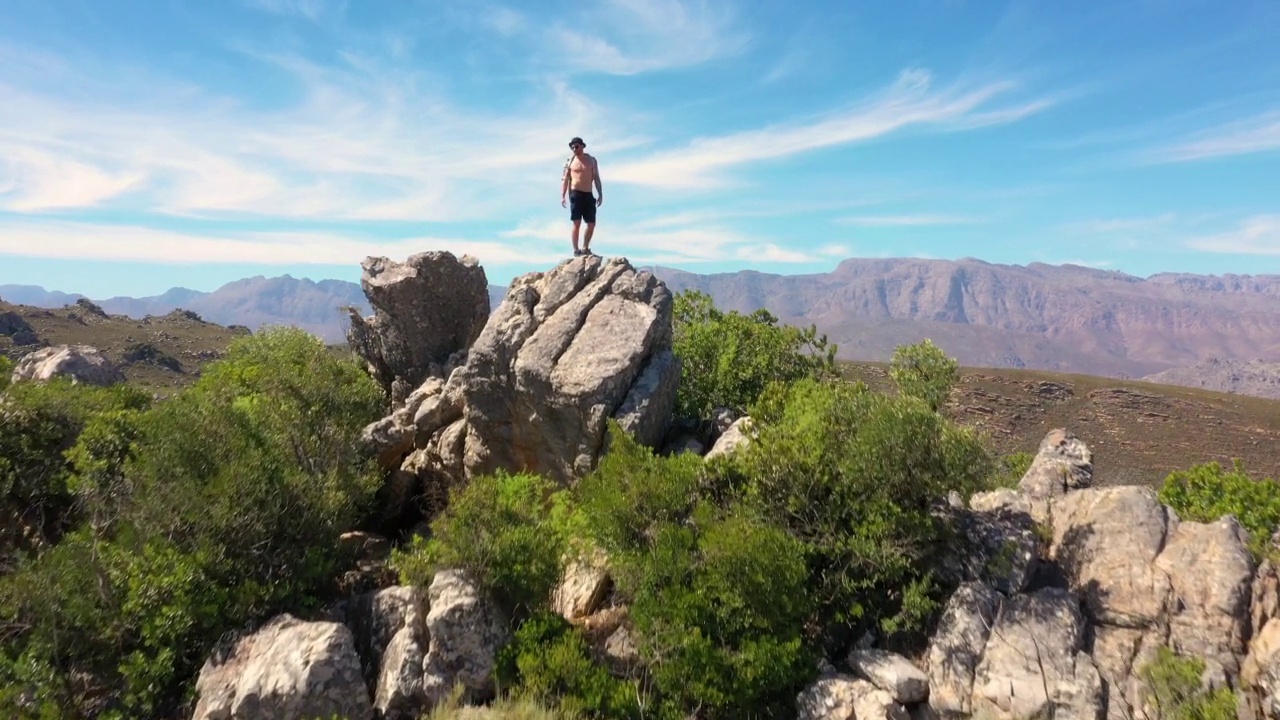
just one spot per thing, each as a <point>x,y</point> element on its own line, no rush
<point>566,351</point>
<point>426,311</point>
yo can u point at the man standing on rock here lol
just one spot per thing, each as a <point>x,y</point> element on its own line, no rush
<point>581,172</point>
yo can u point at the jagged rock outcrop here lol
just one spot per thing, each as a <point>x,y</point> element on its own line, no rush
<point>466,633</point>
<point>426,312</point>
<point>17,329</point>
<point>957,646</point>
<point>566,351</point>
<point>81,363</point>
<point>1032,665</point>
<point>287,670</point>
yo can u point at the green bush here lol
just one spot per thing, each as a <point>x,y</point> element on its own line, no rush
<point>1207,492</point>
<point>214,509</point>
<point>548,661</point>
<point>717,593</point>
<point>39,423</point>
<point>1173,690</point>
<point>499,530</point>
<point>1009,469</point>
<point>728,358</point>
<point>924,371</point>
<point>854,474</point>
<point>6,372</point>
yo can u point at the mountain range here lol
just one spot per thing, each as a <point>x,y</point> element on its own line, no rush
<point>1066,318</point>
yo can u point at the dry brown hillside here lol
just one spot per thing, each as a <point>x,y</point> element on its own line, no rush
<point>1139,432</point>
<point>158,353</point>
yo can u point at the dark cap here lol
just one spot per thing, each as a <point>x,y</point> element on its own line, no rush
<point>576,141</point>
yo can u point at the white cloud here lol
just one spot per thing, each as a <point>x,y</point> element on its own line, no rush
<point>908,102</point>
<point>835,250</point>
<point>1258,235</point>
<point>1250,135</point>
<point>365,141</point>
<point>84,241</point>
<point>627,37</point>
<point>907,220</point>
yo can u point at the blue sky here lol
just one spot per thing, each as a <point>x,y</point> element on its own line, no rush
<point>145,145</point>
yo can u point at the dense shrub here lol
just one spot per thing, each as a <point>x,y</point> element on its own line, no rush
<point>924,371</point>
<point>499,530</point>
<point>1207,492</point>
<point>1174,691</point>
<point>39,424</point>
<point>216,508</point>
<point>6,372</point>
<point>548,661</point>
<point>853,474</point>
<point>728,358</point>
<point>717,591</point>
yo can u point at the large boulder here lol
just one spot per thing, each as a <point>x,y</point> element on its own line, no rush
<point>567,351</point>
<point>561,356</point>
<point>1211,571</point>
<point>1062,463</point>
<point>80,363</point>
<point>287,670</point>
<point>466,632</point>
<point>426,311</point>
<point>1033,664</point>
<point>957,645</point>
<point>1106,540</point>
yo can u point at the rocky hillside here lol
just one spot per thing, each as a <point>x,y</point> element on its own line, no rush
<point>159,353</point>
<point>1140,431</point>
<point>316,307</point>
<point>1067,318</point>
<point>1255,378</point>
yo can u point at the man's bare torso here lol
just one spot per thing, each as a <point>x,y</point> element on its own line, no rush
<point>581,172</point>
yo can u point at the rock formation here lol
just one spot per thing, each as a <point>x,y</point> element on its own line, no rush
<point>81,363</point>
<point>425,310</point>
<point>567,351</point>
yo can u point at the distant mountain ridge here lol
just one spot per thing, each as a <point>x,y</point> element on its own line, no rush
<point>1065,318</point>
<point>1055,317</point>
<point>315,306</point>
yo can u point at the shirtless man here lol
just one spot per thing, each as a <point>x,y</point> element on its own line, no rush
<point>581,172</point>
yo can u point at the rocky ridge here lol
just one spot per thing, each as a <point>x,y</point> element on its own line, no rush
<point>1064,589</point>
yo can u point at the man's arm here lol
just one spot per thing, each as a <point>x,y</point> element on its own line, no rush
<point>599,188</point>
<point>564,183</point>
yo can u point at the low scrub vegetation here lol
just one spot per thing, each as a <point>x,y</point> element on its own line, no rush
<point>1174,691</point>
<point>146,529</point>
<point>1205,493</point>
<point>738,574</point>
<point>168,524</point>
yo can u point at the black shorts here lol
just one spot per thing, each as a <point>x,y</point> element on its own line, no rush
<point>582,206</point>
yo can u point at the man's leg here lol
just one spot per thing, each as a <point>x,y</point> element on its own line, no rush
<point>586,240</point>
<point>577,223</point>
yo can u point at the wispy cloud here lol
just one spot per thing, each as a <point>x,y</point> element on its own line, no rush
<point>907,220</point>
<point>626,37</point>
<point>366,141</point>
<point>85,241</point>
<point>909,101</point>
<point>1243,137</point>
<point>1258,235</point>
